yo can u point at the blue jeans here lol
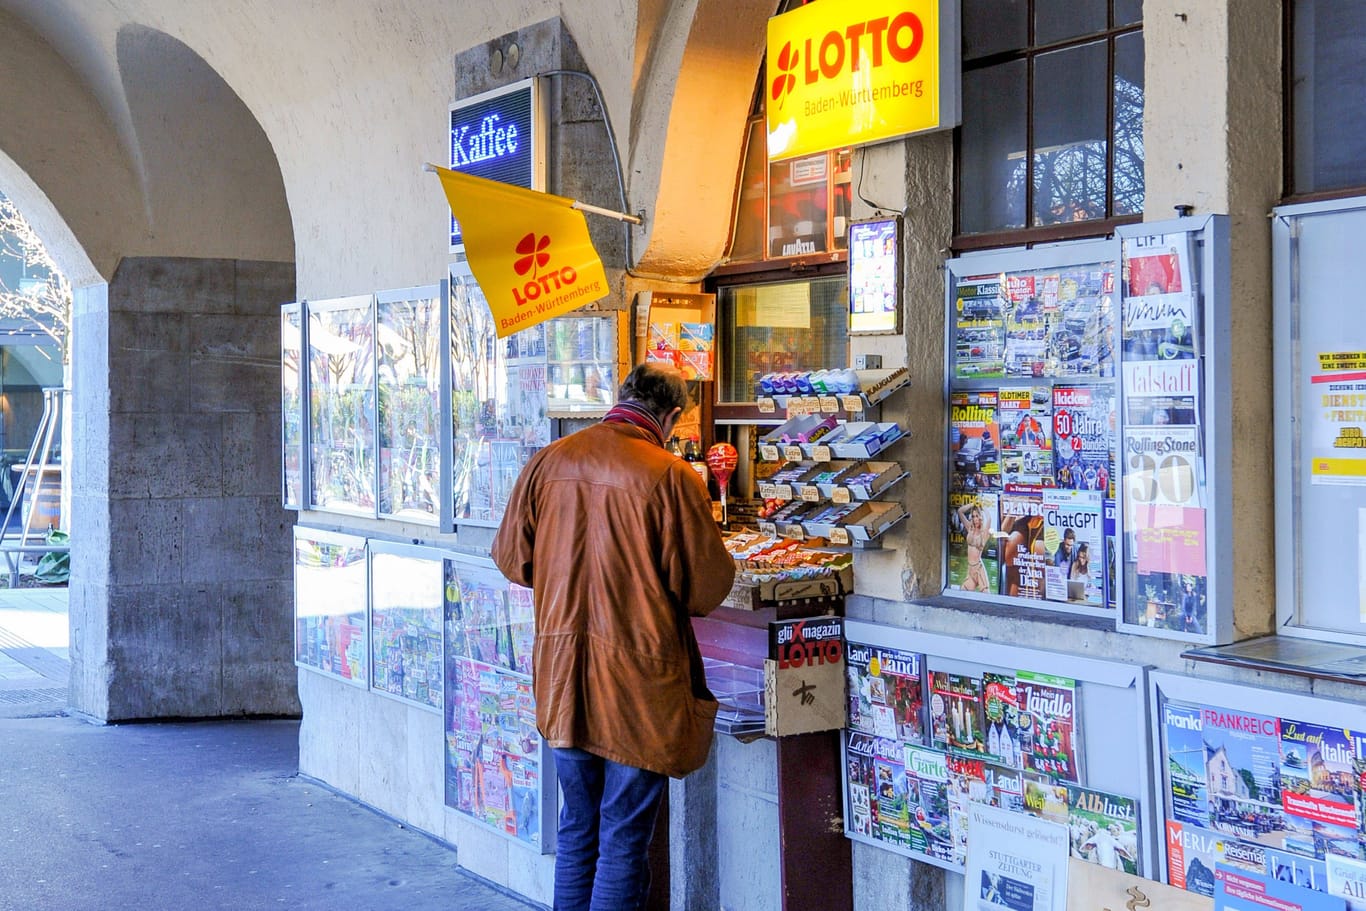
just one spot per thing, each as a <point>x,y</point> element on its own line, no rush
<point>608,818</point>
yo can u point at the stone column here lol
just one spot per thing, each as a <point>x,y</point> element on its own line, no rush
<point>181,587</point>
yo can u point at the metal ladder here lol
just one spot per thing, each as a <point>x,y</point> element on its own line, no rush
<point>39,455</point>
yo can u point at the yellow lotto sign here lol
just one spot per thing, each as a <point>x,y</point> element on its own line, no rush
<point>842,74</point>
<point>529,251</point>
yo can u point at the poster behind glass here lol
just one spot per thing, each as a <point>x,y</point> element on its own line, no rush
<point>582,353</point>
<point>1032,435</point>
<point>780,327</point>
<point>341,386</point>
<point>498,770</point>
<point>498,403</point>
<point>291,406</point>
<point>329,603</point>
<point>408,377</point>
<point>406,587</point>
<point>1164,490</point>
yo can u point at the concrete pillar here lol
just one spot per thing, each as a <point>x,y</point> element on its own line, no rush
<point>181,587</point>
<point>1219,150</point>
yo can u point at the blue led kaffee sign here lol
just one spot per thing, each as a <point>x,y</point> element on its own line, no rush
<point>494,135</point>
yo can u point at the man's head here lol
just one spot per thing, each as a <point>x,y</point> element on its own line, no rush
<point>1069,538</point>
<point>658,387</point>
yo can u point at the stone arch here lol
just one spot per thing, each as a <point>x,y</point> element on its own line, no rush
<point>163,198</point>
<point>694,87</point>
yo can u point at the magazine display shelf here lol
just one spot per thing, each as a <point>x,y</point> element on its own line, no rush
<point>926,712</point>
<point>1262,781</point>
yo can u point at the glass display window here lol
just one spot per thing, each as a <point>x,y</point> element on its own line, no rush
<point>1325,139</point>
<point>408,335</point>
<point>780,327</point>
<point>292,410</point>
<point>499,407</point>
<point>341,387</point>
<point>1084,441</point>
<point>582,356</point>
<point>1320,382</point>
<point>330,592</point>
<point>498,770</point>
<point>406,610</point>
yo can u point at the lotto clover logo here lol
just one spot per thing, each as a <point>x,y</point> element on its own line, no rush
<point>786,82</point>
<point>531,249</point>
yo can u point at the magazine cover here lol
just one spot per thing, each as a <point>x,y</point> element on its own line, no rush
<point>1025,419</point>
<point>1111,558</point>
<point>1161,393</point>
<point>1104,828</point>
<point>1159,298</point>
<point>1305,872</point>
<point>1083,438</point>
<point>973,555</point>
<point>978,330</point>
<point>1026,326</point>
<point>1082,337</point>
<point>966,732</point>
<point>1192,853</point>
<point>974,440</point>
<point>889,797</point>
<point>1048,725</point>
<point>940,697</point>
<point>928,782</point>
<point>1024,554</point>
<point>1075,546</point>
<point>1006,787</point>
<point>885,692</point>
<point>1000,712</point>
<point>1358,742</point>
<point>1047,800</point>
<point>1318,786</point>
<point>860,781</point>
<point>1242,759</point>
<point>967,781</point>
<point>1187,784</point>
<point>1347,880</point>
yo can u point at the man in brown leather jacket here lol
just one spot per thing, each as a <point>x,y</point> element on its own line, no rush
<point>615,536</point>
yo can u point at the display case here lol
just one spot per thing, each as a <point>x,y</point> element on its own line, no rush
<point>406,610</point>
<point>293,414</point>
<point>1260,783</point>
<point>330,589</point>
<point>341,387</point>
<point>498,415</point>
<point>1320,426</point>
<point>583,359</point>
<point>498,771</point>
<point>936,723</point>
<point>410,353</point>
<point>1089,429</point>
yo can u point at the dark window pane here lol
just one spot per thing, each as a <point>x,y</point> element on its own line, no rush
<point>1128,138</point>
<point>1329,134</point>
<point>1128,12</point>
<point>747,244</point>
<point>1058,20</point>
<point>992,178</point>
<point>1070,132</point>
<point>992,26</point>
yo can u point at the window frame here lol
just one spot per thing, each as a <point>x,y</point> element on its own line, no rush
<point>964,242</point>
<point>1289,195</point>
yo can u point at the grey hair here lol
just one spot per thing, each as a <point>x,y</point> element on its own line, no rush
<point>659,387</point>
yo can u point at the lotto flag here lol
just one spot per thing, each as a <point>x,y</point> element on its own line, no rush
<point>529,251</point>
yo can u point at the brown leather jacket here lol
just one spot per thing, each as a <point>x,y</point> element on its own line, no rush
<point>615,535</point>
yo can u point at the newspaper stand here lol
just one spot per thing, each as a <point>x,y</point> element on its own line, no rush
<point>808,771</point>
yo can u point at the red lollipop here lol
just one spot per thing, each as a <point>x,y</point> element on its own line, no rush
<point>721,459</point>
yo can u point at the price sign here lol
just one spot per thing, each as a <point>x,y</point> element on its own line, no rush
<point>840,495</point>
<point>793,453</point>
<point>768,491</point>
<point>767,406</point>
<point>768,453</point>
<point>795,532</point>
<point>820,453</point>
<point>852,403</point>
<point>768,528</point>
<point>782,491</point>
<point>829,404</point>
<point>839,536</point>
<point>811,494</point>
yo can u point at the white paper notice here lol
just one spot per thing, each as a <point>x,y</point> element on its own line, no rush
<point>1015,862</point>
